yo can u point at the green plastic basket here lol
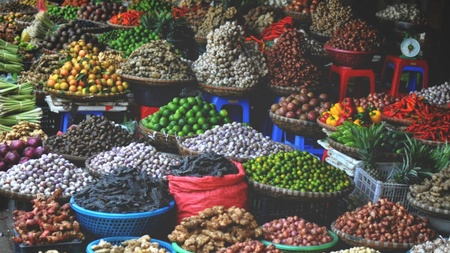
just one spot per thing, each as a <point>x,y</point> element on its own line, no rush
<point>304,249</point>
<point>178,249</point>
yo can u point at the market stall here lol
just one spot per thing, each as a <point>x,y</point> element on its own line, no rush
<point>221,126</point>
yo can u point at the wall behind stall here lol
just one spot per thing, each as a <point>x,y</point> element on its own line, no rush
<point>437,45</point>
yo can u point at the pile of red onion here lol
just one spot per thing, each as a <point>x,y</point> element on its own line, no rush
<point>20,151</point>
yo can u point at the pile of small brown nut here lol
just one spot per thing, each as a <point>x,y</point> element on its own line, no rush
<point>356,35</point>
<point>216,16</point>
<point>215,228</point>
<point>228,61</point>
<point>157,59</point>
<point>287,63</point>
<point>259,18</point>
<point>329,16</point>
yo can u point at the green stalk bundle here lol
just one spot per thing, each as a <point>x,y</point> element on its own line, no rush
<point>9,105</point>
<point>33,116</point>
<point>7,88</point>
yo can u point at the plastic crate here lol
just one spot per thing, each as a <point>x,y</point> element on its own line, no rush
<point>50,121</point>
<point>119,240</point>
<point>321,212</point>
<point>102,225</point>
<point>369,189</point>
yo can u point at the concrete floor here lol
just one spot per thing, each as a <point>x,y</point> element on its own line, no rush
<point>6,225</point>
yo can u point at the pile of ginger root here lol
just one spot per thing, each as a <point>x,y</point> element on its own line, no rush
<point>47,223</point>
<point>215,228</point>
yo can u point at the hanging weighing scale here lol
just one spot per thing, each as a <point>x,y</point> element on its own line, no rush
<point>410,48</point>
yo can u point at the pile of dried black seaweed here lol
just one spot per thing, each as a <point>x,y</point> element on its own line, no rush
<point>126,190</point>
<point>207,164</point>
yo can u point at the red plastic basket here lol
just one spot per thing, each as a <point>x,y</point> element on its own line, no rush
<point>348,58</point>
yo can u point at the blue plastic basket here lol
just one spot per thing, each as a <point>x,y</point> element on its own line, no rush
<point>101,224</point>
<point>119,240</point>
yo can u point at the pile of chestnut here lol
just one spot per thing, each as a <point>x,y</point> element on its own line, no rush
<point>305,105</point>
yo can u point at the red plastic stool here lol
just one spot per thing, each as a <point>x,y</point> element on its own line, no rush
<point>400,65</point>
<point>345,73</point>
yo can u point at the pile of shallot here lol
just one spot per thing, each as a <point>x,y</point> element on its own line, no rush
<point>20,151</point>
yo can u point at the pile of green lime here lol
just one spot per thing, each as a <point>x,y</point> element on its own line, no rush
<point>297,170</point>
<point>66,12</point>
<point>130,39</point>
<point>150,5</point>
<point>186,117</point>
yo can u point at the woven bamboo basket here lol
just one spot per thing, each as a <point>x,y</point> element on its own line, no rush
<point>428,209</point>
<point>156,82</point>
<point>277,192</point>
<point>73,96</point>
<point>377,245</point>
<point>431,143</point>
<point>184,151</point>
<point>26,197</point>
<point>227,91</point>
<point>397,121</point>
<point>303,128</point>
<point>299,17</point>
<point>326,126</point>
<point>161,141</point>
<point>116,26</point>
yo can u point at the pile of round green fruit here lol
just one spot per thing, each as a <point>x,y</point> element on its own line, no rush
<point>67,12</point>
<point>297,170</point>
<point>130,39</point>
<point>186,117</point>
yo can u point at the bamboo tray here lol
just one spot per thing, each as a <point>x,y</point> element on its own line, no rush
<point>116,26</point>
<point>156,82</point>
<point>85,97</point>
<point>26,197</point>
<point>283,91</point>
<point>397,121</point>
<point>320,37</point>
<point>377,245</point>
<point>350,151</point>
<point>274,191</point>
<point>184,151</point>
<point>299,17</point>
<point>354,152</point>
<point>298,127</point>
<point>201,40</point>
<point>431,143</point>
<point>161,141</point>
<point>326,126</point>
<point>227,91</point>
<point>99,28</point>
<point>433,211</point>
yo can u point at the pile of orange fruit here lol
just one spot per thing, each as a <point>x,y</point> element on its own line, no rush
<point>83,73</point>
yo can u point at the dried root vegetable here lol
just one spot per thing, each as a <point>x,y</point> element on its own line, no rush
<point>435,191</point>
<point>141,245</point>
<point>47,223</point>
<point>22,131</point>
<point>215,228</point>
<point>111,57</point>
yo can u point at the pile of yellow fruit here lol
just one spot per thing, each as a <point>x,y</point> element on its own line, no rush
<point>84,73</point>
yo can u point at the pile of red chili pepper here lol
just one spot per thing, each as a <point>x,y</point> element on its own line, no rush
<point>276,29</point>
<point>409,107</point>
<point>128,18</point>
<point>430,122</point>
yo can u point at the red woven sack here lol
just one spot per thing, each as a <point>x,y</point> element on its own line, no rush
<point>194,194</point>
